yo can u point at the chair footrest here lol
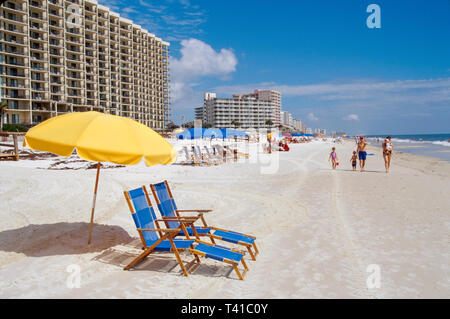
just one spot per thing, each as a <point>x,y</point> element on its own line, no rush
<point>233,237</point>
<point>218,253</point>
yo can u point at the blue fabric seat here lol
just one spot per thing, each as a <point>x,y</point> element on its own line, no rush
<point>233,237</point>
<point>168,208</point>
<point>165,244</point>
<point>219,253</point>
<point>145,218</point>
<point>200,231</point>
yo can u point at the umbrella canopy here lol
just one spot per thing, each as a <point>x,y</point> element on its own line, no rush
<point>100,137</point>
<point>212,133</point>
<point>197,132</point>
<point>192,133</point>
<point>298,134</point>
<point>230,133</point>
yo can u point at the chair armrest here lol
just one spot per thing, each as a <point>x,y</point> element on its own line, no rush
<point>178,219</point>
<point>194,210</point>
<point>181,220</point>
<point>170,230</point>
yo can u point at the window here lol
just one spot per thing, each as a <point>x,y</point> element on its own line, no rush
<point>37,118</point>
<point>14,119</point>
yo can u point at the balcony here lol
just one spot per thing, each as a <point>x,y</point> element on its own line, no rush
<point>15,41</point>
<point>15,96</point>
<point>55,3</point>
<point>55,34</point>
<point>34,4</point>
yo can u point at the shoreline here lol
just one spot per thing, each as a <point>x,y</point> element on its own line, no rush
<point>420,149</point>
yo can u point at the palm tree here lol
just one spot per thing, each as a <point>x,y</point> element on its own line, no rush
<point>235,123</point>
<point>3,107</point>
<point>171,126</point>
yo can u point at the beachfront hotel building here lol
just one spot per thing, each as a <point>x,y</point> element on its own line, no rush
<point>251,110</point>
<point>297,124</point>
<point>60,56</point>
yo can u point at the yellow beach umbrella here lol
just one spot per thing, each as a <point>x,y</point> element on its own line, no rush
<point>100,137</point>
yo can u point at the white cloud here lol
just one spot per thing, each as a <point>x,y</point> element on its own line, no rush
<point>312,117</point>
<point>351,117</point>
<point>198,59</point>
<point>163,18</point>
<point>434,89</point>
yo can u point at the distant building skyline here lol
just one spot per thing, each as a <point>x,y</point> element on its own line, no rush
<point>250,110</point>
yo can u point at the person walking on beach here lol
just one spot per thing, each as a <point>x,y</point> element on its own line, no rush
<point>387,152</point>
<point>334,158</point>
<point>362,152</point>
<point>353,160</point>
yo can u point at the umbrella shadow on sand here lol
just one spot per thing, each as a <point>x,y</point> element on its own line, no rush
<point>61,239</point>
<point>160,261</point>
<point>113,243</point>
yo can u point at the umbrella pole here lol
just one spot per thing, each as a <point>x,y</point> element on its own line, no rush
<point>93,203</point>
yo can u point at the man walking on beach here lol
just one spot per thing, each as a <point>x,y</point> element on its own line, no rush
<point>362,152</point>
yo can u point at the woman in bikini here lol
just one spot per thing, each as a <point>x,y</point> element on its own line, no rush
<point>388,147</point>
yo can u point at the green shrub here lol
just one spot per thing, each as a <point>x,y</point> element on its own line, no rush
<point>14,128</point>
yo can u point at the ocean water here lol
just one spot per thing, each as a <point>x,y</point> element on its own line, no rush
<point>434,145</point>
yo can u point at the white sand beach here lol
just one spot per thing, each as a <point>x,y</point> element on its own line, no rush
<point>317,230</point>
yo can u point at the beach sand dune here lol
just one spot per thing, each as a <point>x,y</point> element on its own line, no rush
<point>318,230</point>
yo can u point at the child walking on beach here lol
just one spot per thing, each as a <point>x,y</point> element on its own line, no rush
<point>334,158</point>
<point>354,159</point>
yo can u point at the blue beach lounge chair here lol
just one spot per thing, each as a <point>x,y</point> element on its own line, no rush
<point>167,207</point>
<point>148,227</point>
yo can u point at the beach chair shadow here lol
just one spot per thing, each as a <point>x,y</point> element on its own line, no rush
<point>38,240</point>
<point>120,258</point>
<point>161,262</point>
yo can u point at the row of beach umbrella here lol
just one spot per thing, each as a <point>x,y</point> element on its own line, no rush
<point>198,132</point>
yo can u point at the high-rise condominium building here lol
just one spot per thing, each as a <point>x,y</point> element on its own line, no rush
<point>298,125</point>
<point>252,110</point>
<point>286,118</point>
<point>60,56</point>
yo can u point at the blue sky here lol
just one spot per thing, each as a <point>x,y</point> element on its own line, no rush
<point>333,71</point>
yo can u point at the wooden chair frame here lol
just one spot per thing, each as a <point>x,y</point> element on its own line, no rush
<point>164,234</point>
<point>253,253</point>
<point>170,234</point>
